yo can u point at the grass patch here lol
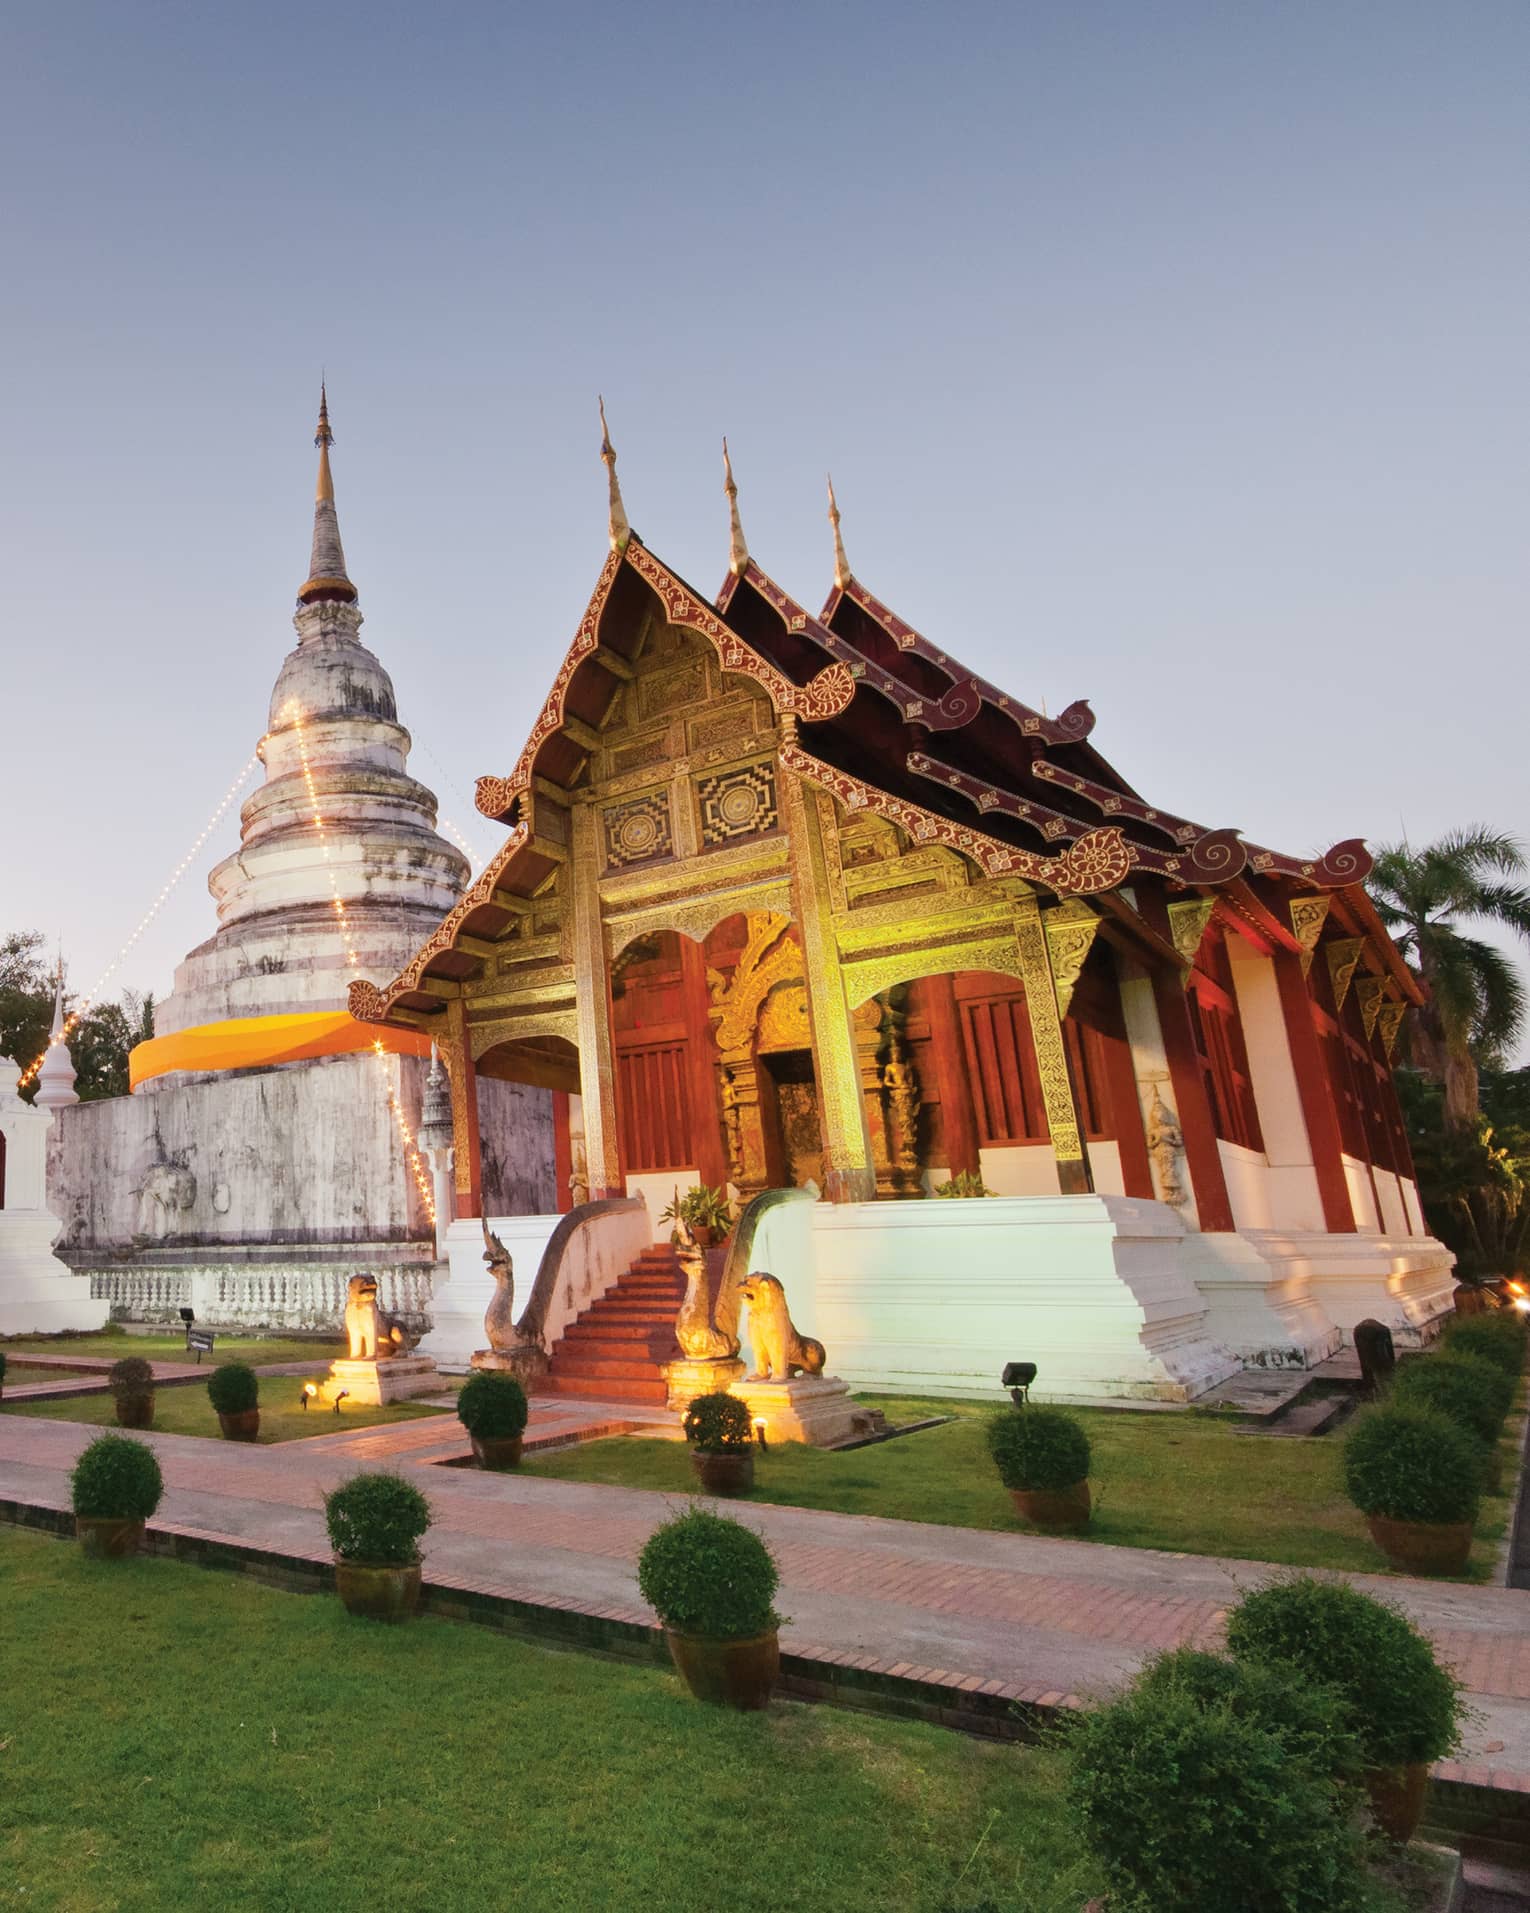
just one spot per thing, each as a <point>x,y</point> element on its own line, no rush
<point>185,1410</point>
<point>1185,1483</point>
<point>171,1738</point>
<point>168,1347</point>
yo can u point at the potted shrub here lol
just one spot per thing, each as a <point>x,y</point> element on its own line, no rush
<point>1191,1803</point>
<point>1042,1455</point>
<point>1415,1477</point>
<point>704,1212</point>
<point>234,1391</point>
<point>2,1371</point>
<point>1497,1335</point>
<point>1402,1707</point>
<point>375,1522</point>
<point>964,1184</point>
<point>1474,1393</point>
<point>113,1488</point>
<point>492,1407</point>
<point>132,1384</point>
<point>721,1435</point>
<point>711,1582</point>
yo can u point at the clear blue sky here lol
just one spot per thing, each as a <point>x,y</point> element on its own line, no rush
<point>1172,355</point>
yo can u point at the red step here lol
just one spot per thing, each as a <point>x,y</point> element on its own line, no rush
<point>614,1350</point>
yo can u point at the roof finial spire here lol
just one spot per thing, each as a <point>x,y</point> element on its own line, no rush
<point>621,530</point>
<point>738,551</point>
<point>326,566</point>
<point>841,562</point>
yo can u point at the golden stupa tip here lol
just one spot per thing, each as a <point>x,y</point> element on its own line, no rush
<point>738,551</point>
<point>324,438</point>
<point>621,529</point>
<point>841,562</point>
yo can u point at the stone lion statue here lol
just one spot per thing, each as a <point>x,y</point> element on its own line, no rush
<point>779,1351</point>
<point>373,1334</point>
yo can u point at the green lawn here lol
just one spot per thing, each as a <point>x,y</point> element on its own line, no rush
<point>116,1343</point>
<point>185,1410</point>
<point>172,1738</point>
<point>1183,1482</point>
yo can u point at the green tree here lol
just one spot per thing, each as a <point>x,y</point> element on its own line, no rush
<point>1477,1002</point>
<point>100,1041</point>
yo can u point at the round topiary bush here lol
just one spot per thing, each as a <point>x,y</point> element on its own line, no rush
<point>703,1574</point>
<point>718,1424</point>
<point>1038,1448</point>
<point>2,1365</point>
<point>131,1376</point>
<point>1190,1804</point>
<point>233,1389</point>
<point>1312,1721</point>
<point>1399,1703</point>
<point>1497,1335</point>
<point>1474,1393</point>
<point>376,1520</point>
<point>1409,1464</point>
<point>116,1479</point>
<point>492,1405</point>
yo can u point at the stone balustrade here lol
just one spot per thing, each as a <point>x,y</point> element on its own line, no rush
<point>282,1297</point>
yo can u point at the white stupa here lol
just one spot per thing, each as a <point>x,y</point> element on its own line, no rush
<point>55,1080</point>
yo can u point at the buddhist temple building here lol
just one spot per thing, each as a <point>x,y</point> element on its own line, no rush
<point>796,903</point>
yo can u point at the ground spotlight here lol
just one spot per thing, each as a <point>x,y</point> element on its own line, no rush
<point>1017,1378</point>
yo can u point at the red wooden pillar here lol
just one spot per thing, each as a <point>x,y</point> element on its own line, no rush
<point>936,995</point>
<point>1315,1092</point>
<point>563,1154</point>
<point>1192,1105</point>
<point>1125,1106</point>
<point>702,1087</point>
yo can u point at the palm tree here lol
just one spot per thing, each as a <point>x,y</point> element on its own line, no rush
<point>1477,1002</point>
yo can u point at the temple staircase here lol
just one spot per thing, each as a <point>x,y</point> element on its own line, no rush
<point>613,1351</point>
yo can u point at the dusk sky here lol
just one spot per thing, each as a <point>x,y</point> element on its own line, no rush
<point>1170,355</point>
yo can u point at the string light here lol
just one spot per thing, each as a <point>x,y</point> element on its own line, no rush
<point>73,1020</point>
<point>293,710</point>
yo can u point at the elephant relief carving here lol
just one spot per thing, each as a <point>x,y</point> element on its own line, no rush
<point>167,1192</point>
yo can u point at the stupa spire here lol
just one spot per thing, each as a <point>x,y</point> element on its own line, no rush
<point>55,1080</point>
<point>841,562</point>
<point>621,530</point>
<point>327,579</point>
<point>738,551</point>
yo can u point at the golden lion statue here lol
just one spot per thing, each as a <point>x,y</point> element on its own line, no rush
<point>779,1351</point>
<point>373,1334</point>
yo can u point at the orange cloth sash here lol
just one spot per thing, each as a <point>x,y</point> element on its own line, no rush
<point>249,1042</point>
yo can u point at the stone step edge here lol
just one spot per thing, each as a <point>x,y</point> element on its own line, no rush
<point>1463,1797</point>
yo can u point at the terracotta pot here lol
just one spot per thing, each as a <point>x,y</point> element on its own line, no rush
<point>245,1426</point>
<point>1397,1799</point>
<point>730,1472</point>
<point>135,1411</point>
<point>108,1537</point>
<point>382,1593</point>
<point>737,1674</point>
<point>1422,1547</point>
<point>1061,1510</point>
<point>497,1451</point>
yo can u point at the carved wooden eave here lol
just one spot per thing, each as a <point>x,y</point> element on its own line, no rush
<point>1354,912</point>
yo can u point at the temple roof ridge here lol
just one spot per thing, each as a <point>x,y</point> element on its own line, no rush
<point>327,578</point>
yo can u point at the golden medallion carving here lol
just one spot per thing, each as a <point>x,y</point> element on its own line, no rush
<point>1308,915</point>
<point>1187,926</point>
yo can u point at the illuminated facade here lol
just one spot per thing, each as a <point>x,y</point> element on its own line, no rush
<point>794,899</point>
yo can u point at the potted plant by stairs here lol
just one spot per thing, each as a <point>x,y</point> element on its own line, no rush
<point>375,1521</point>
<point>1042,1455</point>
<point>1401,1706</point>
<point>711,1582</point>
<point>704,1212</point>
<point>132,1384</point>
<point>1415,1477</point>
<point>113,1488</point>
<point>721,1436</point>
<point>492,1407</point>
<point>1474,1393</point>
<point>234,1391</point>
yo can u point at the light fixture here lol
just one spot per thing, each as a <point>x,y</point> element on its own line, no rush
<point>310,1389</point>
<point>188,1316</point>
<point>341,1395</point>
<point>1017,1378</point>
<point>759,1434</point>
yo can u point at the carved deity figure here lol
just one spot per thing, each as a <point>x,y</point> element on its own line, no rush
<point>1164,1142</point>
<point>499,1316</point>
<point>901,1082</point>
<point>372,1334</point>
<point>699,1338</point>
<point>779,1351</point>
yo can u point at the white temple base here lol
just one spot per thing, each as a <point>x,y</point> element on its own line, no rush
<point>372,1384</point>
<point>816,1409</point>
<point>38,1294</point>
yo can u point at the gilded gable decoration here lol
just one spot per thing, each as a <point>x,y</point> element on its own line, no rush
<point>1308,915</point>
<point>1343,961</point>
<point>1187,925</point>
<point>738,803</point>
<point>1071,929</point>
<point>1389,1020</point>
<point>1370,993</point>
<point>638,831</point>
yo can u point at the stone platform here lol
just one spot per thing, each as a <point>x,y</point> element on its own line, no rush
<point>371,1384</point>
<point>817,1409</point>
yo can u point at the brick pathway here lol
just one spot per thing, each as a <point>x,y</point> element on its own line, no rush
<point>1039,1619</point>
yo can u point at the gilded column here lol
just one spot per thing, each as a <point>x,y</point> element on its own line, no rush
<point>592,1002</point>
<point>1057,1090</point>
<point>848,1172</point>
<point>467,1154</point>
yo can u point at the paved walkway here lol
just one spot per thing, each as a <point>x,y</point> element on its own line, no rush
<point>1045,1619</point>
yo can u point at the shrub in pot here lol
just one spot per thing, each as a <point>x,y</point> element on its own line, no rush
<point>711,1581</point>
<point>234,1391</point>
<point>1415,1476</point>
<point>132,1384</point>
<point>113,1488</point>
<point>1402,1707</point>
<point>492,1407</point>
<point>1042,1455</point>
<point>721,1435</point>
<point>705,1212</point>
<point>375,1521</point>
<point>2,1371</point>
<point>1497,1335</point>
<point>1473,1393</point>
<point>1191,1803</point>
<point>1312,1721</point>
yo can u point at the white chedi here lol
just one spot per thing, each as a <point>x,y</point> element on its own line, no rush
<point>38,1294</point>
